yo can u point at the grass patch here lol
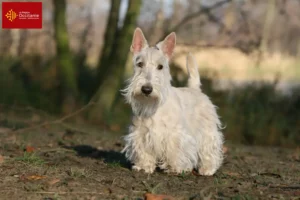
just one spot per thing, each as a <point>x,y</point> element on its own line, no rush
<point>153,189</point>
<point>76,172</point>
<point>242,197</point>
<point>30,158</point>
<point>114,164</point>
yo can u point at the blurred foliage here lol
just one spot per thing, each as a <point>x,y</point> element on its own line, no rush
<point>28,83</point>
<point>255,114</point>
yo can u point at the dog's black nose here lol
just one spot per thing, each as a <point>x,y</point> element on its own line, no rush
<point>147,89</point>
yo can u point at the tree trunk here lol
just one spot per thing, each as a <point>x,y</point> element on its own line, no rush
<point>110,89</point>
<point>270,16</point>
<point>67,75</point>
<point>15,33</point>
<point>109,38</point>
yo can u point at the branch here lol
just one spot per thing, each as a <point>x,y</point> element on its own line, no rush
<point>207,45</point>
<point>57,121</point>
<point>196,14</point>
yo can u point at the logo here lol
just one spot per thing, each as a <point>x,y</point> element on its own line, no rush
<point>11,15</point>
<point>22,15</point>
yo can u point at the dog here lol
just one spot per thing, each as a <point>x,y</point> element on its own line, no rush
<point>175,129</point>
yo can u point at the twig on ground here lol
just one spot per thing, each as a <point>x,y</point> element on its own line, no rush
<point>286,187</point>
<point>57,121</point>
<point>61,193</point>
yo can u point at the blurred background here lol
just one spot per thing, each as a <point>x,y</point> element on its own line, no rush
<point>248,53</point>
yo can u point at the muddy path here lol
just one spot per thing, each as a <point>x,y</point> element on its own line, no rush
<point>55,163</point>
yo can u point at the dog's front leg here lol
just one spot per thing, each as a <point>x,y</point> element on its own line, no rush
<point>144,162</point>
<point>137,151</point>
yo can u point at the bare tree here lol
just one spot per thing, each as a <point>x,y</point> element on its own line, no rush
<point>108,91</point>
<point>67,74</point>
<point>109,38</point>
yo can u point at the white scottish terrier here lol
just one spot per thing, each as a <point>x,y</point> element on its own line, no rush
<point>175,129</point>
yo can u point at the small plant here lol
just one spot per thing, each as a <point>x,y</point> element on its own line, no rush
<point>77,172</point>
<point>218,181</point>
<point>183,173</point>
<point>114,164</point>
<point>151,189</point>
<point>30,158</point>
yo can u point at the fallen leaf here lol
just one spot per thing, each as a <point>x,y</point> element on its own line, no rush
<point>1,159</point>
<point>30,149</point>
<point>149,196</point>
<point>53,181</point>
<point>32,177</point>
<point>35,177</point>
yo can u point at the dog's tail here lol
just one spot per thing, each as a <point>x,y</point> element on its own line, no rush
<point>192,68</point>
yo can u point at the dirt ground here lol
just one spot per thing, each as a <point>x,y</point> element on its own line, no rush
<point>56,163</point>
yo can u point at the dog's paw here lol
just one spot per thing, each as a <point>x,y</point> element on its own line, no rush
<point>147,169</point>
<point>206,172</point>
<point>173,171</point>
<point>136,168</point>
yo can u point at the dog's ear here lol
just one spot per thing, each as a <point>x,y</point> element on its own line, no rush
<point>138,42</point>
<point>167,46</point>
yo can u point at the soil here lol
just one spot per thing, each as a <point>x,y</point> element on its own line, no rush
<point>56,163</point>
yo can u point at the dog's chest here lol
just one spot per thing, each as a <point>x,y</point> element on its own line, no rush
<point>159,132</point>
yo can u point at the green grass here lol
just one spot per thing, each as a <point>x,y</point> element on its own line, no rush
<point>114,164</point>
<point>242,197</point>
<point>76,172</point>
<point>153,189</point>
<point>30,158</point>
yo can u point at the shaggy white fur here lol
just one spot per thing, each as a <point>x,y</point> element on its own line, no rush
<point>176,129</point>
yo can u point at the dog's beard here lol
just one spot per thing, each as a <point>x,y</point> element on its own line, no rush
<point>145,106</point>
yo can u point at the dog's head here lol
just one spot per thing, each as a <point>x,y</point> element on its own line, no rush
<point>150,83</point>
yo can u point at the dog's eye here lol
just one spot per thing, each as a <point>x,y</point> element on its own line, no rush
<point>140,64</point>
<point>160,67</point>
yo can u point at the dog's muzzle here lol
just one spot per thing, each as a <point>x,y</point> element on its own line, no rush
<point>147,89</point>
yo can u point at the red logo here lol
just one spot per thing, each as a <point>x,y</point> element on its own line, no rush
<point>22,15</point>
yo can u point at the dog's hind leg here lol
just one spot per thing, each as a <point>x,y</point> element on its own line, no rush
<point>210,153</point>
